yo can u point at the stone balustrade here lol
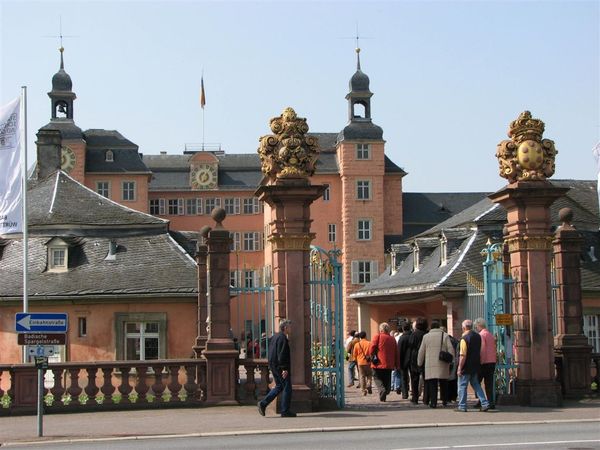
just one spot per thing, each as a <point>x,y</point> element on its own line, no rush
<point>108,385</point>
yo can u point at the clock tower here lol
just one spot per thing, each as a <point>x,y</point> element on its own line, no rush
<point>204,171</point>
<point>69,155</point>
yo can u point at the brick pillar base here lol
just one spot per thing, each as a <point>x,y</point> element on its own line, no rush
<point>575,357</point>
<point>543,393</point>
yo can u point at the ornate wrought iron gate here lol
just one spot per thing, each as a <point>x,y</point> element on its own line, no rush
<point>498,300</point>
<point>326,322</point>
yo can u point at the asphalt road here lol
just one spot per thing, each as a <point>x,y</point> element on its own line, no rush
<point>572,436</point>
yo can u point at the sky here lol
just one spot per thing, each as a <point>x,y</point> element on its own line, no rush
<point>448,77</point>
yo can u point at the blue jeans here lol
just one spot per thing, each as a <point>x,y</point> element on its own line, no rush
<point>396,380</point>
<point>283,385</point>
<point>463,383</point>
<point>351,369</point>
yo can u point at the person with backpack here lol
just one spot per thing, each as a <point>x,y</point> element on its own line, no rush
<point>363,360</point>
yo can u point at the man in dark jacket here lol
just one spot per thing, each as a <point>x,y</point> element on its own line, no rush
<point>404,354</point>
<point>468,367</point>
<point>279,364</point>
<point>414,343</point>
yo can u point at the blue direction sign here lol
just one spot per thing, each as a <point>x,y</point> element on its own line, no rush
<point>41,322</point>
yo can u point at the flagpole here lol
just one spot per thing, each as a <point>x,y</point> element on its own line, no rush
<point>23,142</point>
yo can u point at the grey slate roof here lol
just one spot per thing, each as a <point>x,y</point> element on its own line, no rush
<point>467,233</point>
<point>364,129</point>
<point>105,139</point>
<point>144,265</point>
<point>241,171</point>
<point>149,261</point>
<point>59,200</point>
<point>67,128</point>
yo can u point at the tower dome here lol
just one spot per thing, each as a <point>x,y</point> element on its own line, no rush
<point>61,81</point>
<point>359,81</point>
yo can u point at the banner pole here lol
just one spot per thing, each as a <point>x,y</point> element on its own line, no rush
<point>23,142</point>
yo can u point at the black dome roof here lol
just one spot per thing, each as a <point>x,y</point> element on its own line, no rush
<point>61,81</point>
<point>359,82</point>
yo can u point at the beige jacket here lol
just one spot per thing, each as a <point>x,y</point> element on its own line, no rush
<point>429,354</point>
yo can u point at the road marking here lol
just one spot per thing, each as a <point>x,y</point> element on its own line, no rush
<point>502,444</point>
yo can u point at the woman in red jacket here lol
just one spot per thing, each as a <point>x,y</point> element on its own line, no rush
<point>384,346</point>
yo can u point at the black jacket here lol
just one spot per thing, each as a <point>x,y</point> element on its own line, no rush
<point>279,352</point>
<point>472,360</point>
<point>414,342</point>
<point>404,350</point>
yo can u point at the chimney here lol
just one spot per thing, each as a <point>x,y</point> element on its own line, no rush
<point>163,152</point>
<point>48,153</point>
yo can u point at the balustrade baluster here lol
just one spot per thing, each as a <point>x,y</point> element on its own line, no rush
<point>174,385</point>
<point>125,388</point>
<point>202,380</point>
<point>141,387</point>
<point>158,388</point>
<point>190,386</point>
<point>250,386</point>
<point>107,388</point>
<point>74,389</point>
<point>91,389</point>
<point>264,380</point>
<point>57,390</point>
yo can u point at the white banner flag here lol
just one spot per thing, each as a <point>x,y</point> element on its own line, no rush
<point>11,195</point>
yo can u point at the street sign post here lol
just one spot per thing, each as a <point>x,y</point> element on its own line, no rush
<point>41,338</point>
<point>41,322</point>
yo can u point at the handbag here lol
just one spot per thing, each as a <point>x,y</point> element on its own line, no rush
<point>374,358</point>
<point>444,356</point>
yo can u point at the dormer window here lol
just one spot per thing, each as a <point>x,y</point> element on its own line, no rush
<point>58,255</point>
<point>110,157</point>
<point>416,261</point>
<point>443,250</point>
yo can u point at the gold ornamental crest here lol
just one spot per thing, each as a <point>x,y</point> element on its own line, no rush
<point>526,156</point>
<point>289,152</point>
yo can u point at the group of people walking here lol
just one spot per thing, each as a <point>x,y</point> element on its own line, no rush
<point>425,359</point>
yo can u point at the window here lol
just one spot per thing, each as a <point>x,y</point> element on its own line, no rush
<point>363,151</point>
<point>232,206</point>
<point>364,272</point>
<point>251,206</point>
<point>249,278</point>
<point>154,206</point>
<point>58,259</point>
<point>141,336</point>
<point>103,188</point>
<point>363,190</point>
<point>326,192</point>
<point>364,230</point>
<point>191,206</point>
<point>82,326</point>
<point>234,246</point>
<point>210,204</point>
<point>331,232</point>
<point>252,241</point>
<point>234,278</point>
<point>173,206</point>
<point>591,328</point>
<point>129,190</point>
<point>110,157</point>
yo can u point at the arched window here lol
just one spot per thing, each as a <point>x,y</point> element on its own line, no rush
<point>359,110</point>
<point>110,157</point>
<point>61,109</point>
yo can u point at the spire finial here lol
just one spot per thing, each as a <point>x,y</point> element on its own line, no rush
<point>357,49</point>
<point>62,63</point>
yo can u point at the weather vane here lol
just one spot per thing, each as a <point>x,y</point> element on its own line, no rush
<point>61,35</point>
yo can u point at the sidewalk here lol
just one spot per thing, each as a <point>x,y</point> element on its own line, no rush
<point>361,413</point>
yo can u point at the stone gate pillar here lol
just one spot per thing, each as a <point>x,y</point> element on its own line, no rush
<point>201,260</point>
<point>526,160</point>
<point>288,160</point>
<point>571,345</point>
<point>220,351</point>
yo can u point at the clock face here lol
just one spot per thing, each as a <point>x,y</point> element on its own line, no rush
<point>204,176</point>
<point>67,159</point>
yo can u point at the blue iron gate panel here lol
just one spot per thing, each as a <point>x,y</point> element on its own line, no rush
<point>498,300</point>
<point>253,315</point>
<point>326,321</point>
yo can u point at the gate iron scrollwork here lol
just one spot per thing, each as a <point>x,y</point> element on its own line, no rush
<point>498,300</point>
<point>326,321</point>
